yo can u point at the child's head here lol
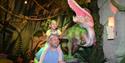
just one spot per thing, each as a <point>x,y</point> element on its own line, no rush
<point>53,25</point>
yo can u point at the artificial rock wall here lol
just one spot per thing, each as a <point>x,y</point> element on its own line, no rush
<point>113,49</point>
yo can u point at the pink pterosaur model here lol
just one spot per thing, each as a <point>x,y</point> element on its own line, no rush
<point>84,18</point>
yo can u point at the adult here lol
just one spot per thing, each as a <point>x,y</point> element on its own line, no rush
<point>52,55</point>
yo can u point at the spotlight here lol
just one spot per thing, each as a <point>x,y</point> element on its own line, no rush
<point>25,2</point>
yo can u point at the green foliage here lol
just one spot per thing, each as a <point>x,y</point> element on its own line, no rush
<point>118,5</point>
<point>38,33</point>
<point>6,43</point>
<point>123,60</point>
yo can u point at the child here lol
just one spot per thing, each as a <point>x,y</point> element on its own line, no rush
<point>53,29</point>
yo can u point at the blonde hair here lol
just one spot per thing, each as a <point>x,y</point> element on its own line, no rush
<point>53,21</point>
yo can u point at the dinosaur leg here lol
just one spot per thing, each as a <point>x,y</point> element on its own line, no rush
<point>70,49</point>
